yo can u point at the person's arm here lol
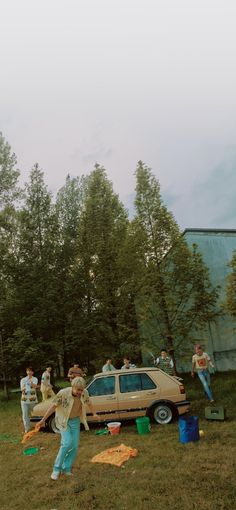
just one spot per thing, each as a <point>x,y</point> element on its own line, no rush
<point>35,384</point>
<point>209,361</point>
<point>90,406</point>
<point>193,367</point>
<point>48,413</point>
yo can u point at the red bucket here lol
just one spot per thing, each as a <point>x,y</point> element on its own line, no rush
<point>114,427</point>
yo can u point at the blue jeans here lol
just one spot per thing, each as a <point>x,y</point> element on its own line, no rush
<point>205,379</point>
<point>69,446</point>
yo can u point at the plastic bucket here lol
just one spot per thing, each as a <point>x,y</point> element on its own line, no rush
<point>114,427</point>
<point>143,425</point>
<point>188,429</point>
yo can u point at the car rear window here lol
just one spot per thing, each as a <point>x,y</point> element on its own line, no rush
<point>102,386</point>
<point>135,382</point>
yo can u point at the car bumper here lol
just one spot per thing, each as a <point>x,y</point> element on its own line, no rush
<point>35,419</point>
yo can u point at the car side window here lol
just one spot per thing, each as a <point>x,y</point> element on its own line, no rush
<point>102,386</point>
<point>131,382</point>
<point>147,382</point>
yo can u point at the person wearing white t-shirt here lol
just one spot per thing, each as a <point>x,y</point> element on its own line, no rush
<point>28,386</point>
<point>201,362</point>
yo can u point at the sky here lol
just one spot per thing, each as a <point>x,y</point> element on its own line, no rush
<point>118,81</point>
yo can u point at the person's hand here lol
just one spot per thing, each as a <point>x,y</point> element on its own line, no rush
<point>41,423</point>
<point>192,375</point>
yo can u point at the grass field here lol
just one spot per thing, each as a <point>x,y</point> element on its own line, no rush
<point>165,475</point>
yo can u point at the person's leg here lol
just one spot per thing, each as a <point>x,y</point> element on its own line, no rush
<point>25,415</point>
<point>203,378</point>
<point>44,395</point>
<point>66,442</point>
<point>71,455</point>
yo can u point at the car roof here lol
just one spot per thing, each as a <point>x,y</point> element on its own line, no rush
<point>125,371</point>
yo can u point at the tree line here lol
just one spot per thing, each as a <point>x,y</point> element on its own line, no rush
<point>80,280</point>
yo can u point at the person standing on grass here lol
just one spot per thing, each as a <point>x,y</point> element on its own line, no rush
<point>46,387</point>
<point>165,362</point>
<point>28,386</point>
<point>201,362</point>
<point>69,406</point>
<point>108,367</point>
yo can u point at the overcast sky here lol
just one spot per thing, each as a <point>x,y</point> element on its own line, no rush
<point>116,81</point>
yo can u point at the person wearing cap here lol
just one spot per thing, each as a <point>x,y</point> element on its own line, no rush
<point>69,406</point>
<point>201,362</point>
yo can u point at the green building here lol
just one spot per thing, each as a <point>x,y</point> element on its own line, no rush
<point>219,339</point>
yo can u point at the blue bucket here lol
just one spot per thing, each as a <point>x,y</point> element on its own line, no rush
<point>188,429</point>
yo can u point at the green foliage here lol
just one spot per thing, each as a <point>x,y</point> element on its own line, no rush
<point>230,302</point>
<point>173,290</point>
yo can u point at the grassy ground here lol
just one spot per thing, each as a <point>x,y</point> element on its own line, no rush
<point>165,475</point>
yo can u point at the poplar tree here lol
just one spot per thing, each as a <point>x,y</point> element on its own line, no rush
<point>230,301</point>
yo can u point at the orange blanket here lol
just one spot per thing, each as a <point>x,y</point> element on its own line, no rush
<point>31,433</point>
<point>116,455</point>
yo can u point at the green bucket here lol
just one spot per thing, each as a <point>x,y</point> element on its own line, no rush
<point>143,425</point>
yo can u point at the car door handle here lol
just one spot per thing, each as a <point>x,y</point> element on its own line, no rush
<point>111,398</point>
<point>151,392</point>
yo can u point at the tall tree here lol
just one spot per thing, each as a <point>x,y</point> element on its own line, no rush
<point>230,302</point>
<point>8,193</point>
<point>174,292</point>
<point>102,232</point>
<point>35,273</point>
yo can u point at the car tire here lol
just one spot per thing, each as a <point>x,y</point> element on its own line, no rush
<point>162,413</point>
<point>51,425</point>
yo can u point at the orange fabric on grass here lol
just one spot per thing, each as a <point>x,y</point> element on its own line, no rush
<point>116,455</point>
<point>29,434</point>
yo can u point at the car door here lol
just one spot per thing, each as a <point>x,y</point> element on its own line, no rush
<point>103,395</point>
<point>136,392</point>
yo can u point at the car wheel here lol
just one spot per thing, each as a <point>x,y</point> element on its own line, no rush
<point>162,414</point>
<point>51,424</point>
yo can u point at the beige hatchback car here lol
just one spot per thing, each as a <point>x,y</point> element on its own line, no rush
<point>127,394</point>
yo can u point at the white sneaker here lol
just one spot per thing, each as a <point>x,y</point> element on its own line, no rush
<point>54,475</point>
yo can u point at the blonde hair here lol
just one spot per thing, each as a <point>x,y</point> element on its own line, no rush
<point>79,382</point>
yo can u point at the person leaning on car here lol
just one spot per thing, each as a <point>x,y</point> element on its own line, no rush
<point>69,406</point>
